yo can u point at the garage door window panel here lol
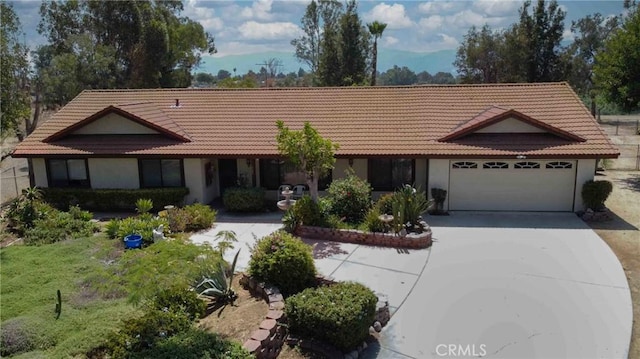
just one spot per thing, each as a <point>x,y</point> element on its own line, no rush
<point>559,165</point>
<point>526,165</point>
<point>495,165</point>
<point>464,165</point>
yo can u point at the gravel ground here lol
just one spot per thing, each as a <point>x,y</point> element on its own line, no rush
<point>623,236</point>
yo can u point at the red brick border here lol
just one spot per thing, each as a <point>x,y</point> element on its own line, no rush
<point>411,240</point>
<point>266,342</point>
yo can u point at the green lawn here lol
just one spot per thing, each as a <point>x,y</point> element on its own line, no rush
<point>29,278</point>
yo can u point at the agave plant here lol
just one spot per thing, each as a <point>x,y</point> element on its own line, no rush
<point>218,284</point>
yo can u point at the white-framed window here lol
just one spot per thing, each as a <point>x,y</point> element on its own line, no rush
<point>526,165</point>
<point>495,165</point>
<point>68,173</point>
<point>464,165</point>
<point>559,165</point>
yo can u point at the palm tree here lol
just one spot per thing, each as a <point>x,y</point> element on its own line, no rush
<point>376,29</point>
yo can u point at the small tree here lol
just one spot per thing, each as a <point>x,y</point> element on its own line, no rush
<point>308,151</point>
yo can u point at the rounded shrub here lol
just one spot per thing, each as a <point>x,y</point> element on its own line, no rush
<point>339,314</point>
<point>307,212</point>
<point>179,299</point>
<point>284,261</point>
<point>594,193</point>
<point>243,199</point>
<point>195,344</point>
<point>350,197</point>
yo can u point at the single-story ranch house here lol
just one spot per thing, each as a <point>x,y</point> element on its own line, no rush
<point>520,147</point>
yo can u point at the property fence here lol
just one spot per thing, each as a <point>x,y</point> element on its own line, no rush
<point>623,131</point>
<point>12,182</point>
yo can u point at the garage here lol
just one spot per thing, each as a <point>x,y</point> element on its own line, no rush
<point>507,185</point>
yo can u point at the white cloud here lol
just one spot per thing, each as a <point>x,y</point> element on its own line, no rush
<point>252,30</point>
<point>497,8</point>
<point>567,35</point>
<point>431,23</point>
<point>389,40</point>
<point>204,15</point>
<point>260,10</point>
<point>393,15</point>
<point>440,7</point>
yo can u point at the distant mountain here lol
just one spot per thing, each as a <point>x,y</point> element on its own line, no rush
<point>432,62</point>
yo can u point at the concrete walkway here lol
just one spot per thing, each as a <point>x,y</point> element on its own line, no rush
<point>501,285</point>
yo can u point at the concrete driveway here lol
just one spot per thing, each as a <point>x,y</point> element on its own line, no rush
<point>501,285</point>
<point>513,286</point>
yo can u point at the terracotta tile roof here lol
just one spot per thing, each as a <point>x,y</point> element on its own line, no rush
<point>365,121</point>
<point>496,114</point>
<point>147,114</point>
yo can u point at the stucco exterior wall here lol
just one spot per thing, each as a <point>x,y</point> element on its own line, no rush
<point>114,173</point>
<point>439,177</point>
<point>511,125</point>
<point>39,172</point>
<point>113,124</point>
<point>194,180</point>
<point>342,164</point>
<point>586,171</point>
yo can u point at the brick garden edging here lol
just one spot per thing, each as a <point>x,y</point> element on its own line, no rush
<point>267,340</point>
<point>411,240</point>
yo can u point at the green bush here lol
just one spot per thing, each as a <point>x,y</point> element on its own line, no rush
<point>144,205</point>
<point>412,203</point>
<point>195,344</point>
<point>20,335</point>
<point>284,261</point>
<point>308,212</point>
<point>163,265</point>
<point>595,193</point>
<point>23,211</point>
<point>243,199</point>
<point>350,197</point>
<point>339,314</point>
<point>200,216</point>
<point>139,334</point>
<point>179,299</point>
<point>58,226</point>
<point>113,199</point>
<point>142,225</point>
<point>385,203</point>
<point>372,220</point>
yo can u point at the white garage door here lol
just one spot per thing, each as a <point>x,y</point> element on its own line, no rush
<point>495,185</point>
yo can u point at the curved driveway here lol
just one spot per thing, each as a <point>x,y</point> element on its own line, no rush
<point>494,285</point>
<point>514,286</point>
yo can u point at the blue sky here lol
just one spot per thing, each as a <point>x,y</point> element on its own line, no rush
<point>244,27</point>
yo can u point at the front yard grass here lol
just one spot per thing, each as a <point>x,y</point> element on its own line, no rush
<point>29,279</point>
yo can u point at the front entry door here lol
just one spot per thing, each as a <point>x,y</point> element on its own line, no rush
<point>228,173</point>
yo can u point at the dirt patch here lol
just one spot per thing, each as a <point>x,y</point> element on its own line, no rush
<point>237,321</point>
<point>298,353</point>
<point>622,234</point>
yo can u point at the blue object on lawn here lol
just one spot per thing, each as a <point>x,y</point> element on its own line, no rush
<point>133,241</point>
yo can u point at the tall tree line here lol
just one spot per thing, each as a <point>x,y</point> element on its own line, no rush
<point>336,45</point>
<point>115,44</point>
<point>601,61</point>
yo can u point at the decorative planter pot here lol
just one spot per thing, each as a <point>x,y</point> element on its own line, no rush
<point>133,241</point>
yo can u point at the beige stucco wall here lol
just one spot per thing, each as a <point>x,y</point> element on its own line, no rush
<point>586,171</point>
<point>511,125</point>
<point>439,177</point>
<point>39,172</point>
<point>194,180</point>
<point>342,164</point>
<point>113,124</point>
<point>114,173</point>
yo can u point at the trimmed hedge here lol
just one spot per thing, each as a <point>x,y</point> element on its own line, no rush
<point>594,193</point>
<point>284,261</point>
<point>243,199</point>
<point>339,314</point>
<point>113,199</point>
